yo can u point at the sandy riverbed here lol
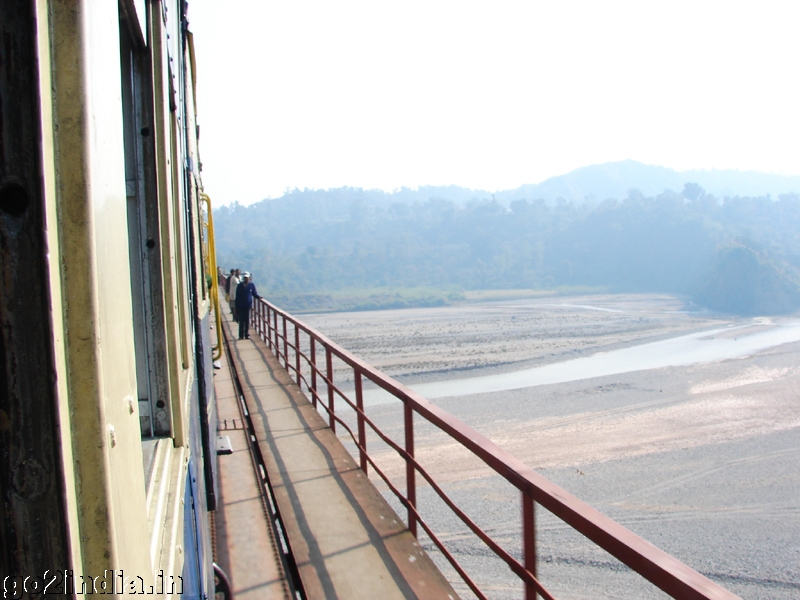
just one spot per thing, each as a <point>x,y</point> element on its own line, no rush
<point>700,460</point>
<point>431,343</point>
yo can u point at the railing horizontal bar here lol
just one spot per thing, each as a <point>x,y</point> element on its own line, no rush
<point>498,550</point>
<point>512,563</point>
<point>450,558</point>
<point>660,568</point>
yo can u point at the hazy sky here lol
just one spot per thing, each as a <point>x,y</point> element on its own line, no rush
<point>489,94</point>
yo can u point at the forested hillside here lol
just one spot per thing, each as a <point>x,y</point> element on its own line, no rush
<point>734,254</point>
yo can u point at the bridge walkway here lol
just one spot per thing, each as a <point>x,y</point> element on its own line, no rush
<point>347,542</point>
<point>245,546</point>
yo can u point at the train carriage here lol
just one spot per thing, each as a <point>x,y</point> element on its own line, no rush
<point>106,469</point>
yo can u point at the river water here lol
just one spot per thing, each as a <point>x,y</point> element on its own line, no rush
<point>701,347</point>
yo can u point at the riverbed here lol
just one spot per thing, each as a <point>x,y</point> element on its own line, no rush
<point>682,425</point>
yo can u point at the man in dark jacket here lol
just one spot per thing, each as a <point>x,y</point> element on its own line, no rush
<point>245,293</point>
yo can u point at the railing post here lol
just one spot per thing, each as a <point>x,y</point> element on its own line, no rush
<point>256,317</point>
<point>256,320</point>
<point>313,343</point>
<point>529,541</point>
<point>297,354</point>
<point>277,338</point>
<point>411,472</point>
<point>269,329</point>
<point>329,369</point>
<point>285,346</point>
<point>275,329</point>
<point>253,319</point>
<point>264,323</point>
<point>362,434</point>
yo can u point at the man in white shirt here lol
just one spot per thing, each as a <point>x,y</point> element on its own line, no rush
<point>234,283</point>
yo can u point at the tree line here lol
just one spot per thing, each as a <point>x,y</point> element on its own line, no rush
<point>734,254</point>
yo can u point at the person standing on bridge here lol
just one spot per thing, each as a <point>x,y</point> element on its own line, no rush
<point>233,283</point>
<point>228,286</point>
<point>245,294</point>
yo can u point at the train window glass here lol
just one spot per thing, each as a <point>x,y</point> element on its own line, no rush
<point>143,233</point>
<point>149,459</point>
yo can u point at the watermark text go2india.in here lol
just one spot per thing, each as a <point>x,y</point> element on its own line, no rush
<point>65,581</point>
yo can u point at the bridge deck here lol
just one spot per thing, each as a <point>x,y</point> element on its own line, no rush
<point>347,541</point>
<point>245,547</point>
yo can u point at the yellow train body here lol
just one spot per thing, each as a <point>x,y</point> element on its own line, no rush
<point>107,402</point>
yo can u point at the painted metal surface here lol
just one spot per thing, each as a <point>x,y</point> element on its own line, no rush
<point>664,571</point>
<point>91,507</point>
<point>94,284</point>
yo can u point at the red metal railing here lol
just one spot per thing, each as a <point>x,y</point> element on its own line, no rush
<point>658,567</point>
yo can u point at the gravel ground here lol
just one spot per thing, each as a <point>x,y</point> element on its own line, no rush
<point>424,344</point>
<point>701,460</point>
<point>729,511</point>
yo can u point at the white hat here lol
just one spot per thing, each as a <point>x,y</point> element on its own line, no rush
<point>246,274</point>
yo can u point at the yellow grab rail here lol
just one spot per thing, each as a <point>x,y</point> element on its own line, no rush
<point>211,265</point>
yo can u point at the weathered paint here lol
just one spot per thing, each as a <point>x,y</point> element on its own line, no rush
<point>90,196</point>
<point>179,324</point>
<point>57,312</point>
<point>33,497</point>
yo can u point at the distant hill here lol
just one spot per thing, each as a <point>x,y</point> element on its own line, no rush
<point>593,183</point>
<point>613,180</point>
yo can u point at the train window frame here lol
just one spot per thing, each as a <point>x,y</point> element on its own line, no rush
<point>181,249</point>
<point>150,335</point>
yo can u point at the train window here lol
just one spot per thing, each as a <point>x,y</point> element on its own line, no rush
<point>152,378</point>
<point>179,225</point>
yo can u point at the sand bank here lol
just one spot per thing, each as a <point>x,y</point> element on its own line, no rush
<point>700,459</point>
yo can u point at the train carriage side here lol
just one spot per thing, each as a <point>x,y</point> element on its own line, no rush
<point>107,400</point>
